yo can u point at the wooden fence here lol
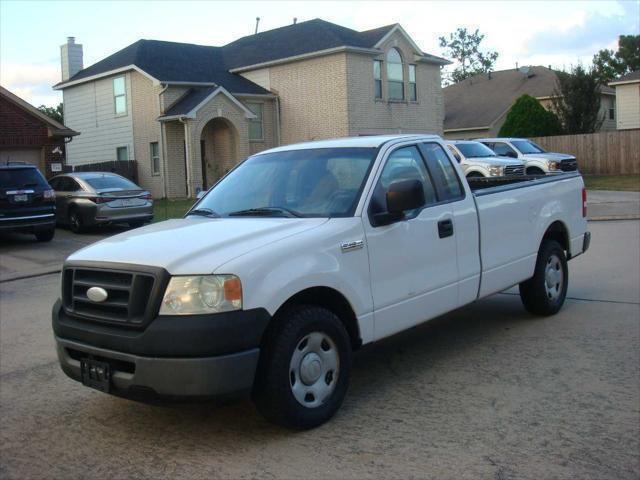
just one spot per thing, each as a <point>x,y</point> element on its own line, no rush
<point>128,169</point>
<point>605,153</point>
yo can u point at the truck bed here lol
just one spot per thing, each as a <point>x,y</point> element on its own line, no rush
<point>487,185</point>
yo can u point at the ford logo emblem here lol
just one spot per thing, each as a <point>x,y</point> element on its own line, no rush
<point>97,294</point>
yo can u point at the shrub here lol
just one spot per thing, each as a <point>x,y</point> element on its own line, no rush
<point>527,118</point>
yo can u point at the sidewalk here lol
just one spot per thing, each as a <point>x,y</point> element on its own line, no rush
<point>611,205</point>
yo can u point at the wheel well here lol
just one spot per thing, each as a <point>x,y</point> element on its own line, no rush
<point>558,232</point>
<point>335,302</point>
<point>474,175</point>
<point>534,171</point>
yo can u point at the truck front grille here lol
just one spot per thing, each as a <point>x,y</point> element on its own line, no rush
<point>569,165</point>
<point>132,297</point>
<point>514,170</point>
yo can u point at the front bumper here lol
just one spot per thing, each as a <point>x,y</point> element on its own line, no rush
<point>173,356</point>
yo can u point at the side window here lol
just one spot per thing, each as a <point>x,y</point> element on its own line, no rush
<point>55,183</point>
<point>504,149</point>
<point>443,171</point>
<point>377,78</point>
<point>72,185</point>
<point>406,163</point>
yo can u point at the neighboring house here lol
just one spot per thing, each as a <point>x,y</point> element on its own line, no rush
<point>627,100</point>
<point>28,135</point>
<point>478,106</point>
<point>188,113</point>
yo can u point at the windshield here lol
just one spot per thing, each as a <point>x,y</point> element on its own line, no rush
<point>475,150</point>
<point>21,178</point>
<point>110,182</point>
<point>323,182</point>
<point>527,146</point>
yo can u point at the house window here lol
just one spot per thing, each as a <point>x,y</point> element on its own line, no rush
<point>255,124</point>
<point>154,151</point>
<point>120,96</point>
<point>612,113</point>
<point>377,77</point>
<point>413,90</point>
<point>395,75</point>
<point>122,153</point>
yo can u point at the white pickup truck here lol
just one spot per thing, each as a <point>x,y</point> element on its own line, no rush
<point>301,255</point>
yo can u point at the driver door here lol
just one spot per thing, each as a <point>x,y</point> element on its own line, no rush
<point>413,262</point>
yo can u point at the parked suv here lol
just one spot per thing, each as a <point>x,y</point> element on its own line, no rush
<point>27,202</point>
<point>478,160</point>
<point>97,198</point>
<point>536,160</point>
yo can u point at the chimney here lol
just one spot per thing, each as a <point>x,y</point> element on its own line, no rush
<point>70,58</point>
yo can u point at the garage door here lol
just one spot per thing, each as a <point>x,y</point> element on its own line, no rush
<point>26,155</point>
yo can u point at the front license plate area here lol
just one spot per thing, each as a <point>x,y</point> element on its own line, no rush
<point>96,374</point>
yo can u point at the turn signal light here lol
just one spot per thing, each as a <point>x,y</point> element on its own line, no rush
<point>100,199</point>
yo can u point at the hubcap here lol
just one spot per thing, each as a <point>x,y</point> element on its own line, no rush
<point>553,277</point>
<point>314,369</point>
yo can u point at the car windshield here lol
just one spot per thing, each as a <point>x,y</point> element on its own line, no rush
<point>475,150</point>
<point>102,183</point>
<point>527,146</point>
<point>21,178</point>
<point>322,182</point>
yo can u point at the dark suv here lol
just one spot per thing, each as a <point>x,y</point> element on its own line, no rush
<point>27,202</point>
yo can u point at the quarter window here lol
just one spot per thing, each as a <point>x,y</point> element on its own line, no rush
<point>154,151</point>
<point>255,124</point>
<point>122,153</point>
<point>120,96</point>
<point>413,90</point>
<point>443,171</point>
<point>377,78</point>
<point>395,75</point>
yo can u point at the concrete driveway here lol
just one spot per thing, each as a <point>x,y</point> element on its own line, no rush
<point>487,391</point>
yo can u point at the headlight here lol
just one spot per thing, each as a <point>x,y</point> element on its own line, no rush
<point>202,294</point>
<point>496,171</point>
<point>554,165</point>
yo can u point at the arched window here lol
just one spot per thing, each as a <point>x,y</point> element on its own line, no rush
<point>395,75</point>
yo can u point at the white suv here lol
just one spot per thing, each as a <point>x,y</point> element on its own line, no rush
<point>478,160</point>
<point>536,160</point>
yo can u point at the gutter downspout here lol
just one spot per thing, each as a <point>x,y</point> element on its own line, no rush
<point>187,155</point>
<point>278,139</point>
<point>164,152</point>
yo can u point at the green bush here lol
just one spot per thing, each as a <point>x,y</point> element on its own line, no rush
<point>527,118</point>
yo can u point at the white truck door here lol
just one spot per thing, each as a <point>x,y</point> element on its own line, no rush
<point>413,264</point>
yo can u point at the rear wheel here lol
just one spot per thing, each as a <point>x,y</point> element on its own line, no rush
<point>304,368</point>
<point>75,221</point>
<point>45,235</point>
<point>545,292</point>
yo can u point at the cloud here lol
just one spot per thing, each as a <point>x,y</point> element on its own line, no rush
<point>593,33</point>
<point>32,82</point>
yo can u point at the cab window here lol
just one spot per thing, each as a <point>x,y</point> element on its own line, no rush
<point>440,166</point>
<point>504,150</point>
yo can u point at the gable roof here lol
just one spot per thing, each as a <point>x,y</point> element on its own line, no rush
<point>188,63</point>
<point>478,101</point>
<point>631,77</point>
<point>57,129</point>
<point>195,98</point>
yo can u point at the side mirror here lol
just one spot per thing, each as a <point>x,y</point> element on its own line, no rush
<point>401,196</point>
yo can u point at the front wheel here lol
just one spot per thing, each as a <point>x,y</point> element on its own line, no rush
<point>304,368</point>
<point>545,292</point>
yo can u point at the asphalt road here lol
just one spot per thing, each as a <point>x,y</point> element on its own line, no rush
<point>487,391</point>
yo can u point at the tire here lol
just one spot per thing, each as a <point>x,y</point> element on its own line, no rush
<point>475,175</point>
<point>45,235</point>
<point>535,171</point>
<point>304,368</point>
<point>75,221</point>
<point>545,292</point>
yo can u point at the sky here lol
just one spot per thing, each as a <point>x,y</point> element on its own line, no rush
<point>556,33</point>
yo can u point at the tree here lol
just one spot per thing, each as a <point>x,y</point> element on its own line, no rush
<point>53,112</point>
<point>528,118</point>
<point>576,100</point>
<point>464,47</point>
<point>609,64</point>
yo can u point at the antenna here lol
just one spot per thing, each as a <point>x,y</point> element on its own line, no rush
<point>257,22</point>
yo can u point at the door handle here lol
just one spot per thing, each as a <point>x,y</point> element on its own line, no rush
<point>445,228</point>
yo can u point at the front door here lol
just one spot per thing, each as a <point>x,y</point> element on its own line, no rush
<point>413,262</point>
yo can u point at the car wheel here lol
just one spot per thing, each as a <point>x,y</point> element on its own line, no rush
<point>75,222</point>
<point>534,171</point>
<point>545,292</point>
<point>475,175</point>
<point>45,235</point>
<point>304,368</point>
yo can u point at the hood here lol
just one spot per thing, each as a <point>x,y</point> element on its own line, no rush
<point>194,245</point>
<point>549,156</point>
<point>494,161</point>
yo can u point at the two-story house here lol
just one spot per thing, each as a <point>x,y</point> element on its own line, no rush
<point>188,113</point>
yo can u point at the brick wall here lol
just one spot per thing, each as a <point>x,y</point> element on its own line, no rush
<point>20,129</point>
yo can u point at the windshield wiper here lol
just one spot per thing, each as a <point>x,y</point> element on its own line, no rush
<point>266,211</point>
<point>204,212</point>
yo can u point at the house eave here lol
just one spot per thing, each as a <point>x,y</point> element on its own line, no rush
<point>624,82</point>
<point>115,71</point>
<point>466,129</point>
<point>191,114</point>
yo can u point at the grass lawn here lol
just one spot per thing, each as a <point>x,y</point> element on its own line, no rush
<point>629,183</point>
<point>164,209</point>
